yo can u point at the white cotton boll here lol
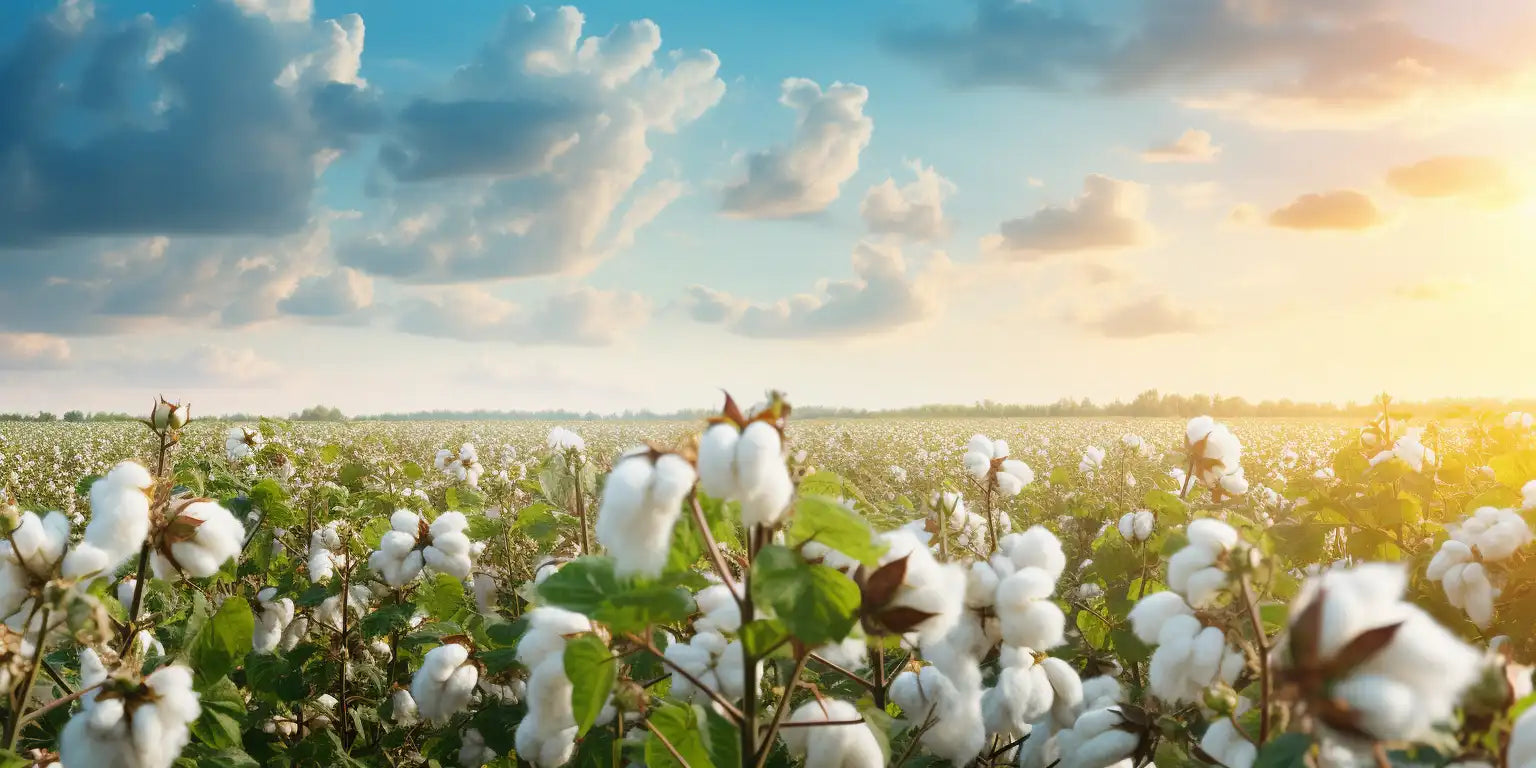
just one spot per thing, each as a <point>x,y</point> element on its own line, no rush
<point>1228,747</point>
<point>717,461</point>
<point>641,503</point>
<point>449,551</point>
<point>403,707</point>
<point>321,565</point>
<point>1096,741</point>
<point>1212,534</point>
<point>1036,547</point>
<point>1234,484</point>
<point>473,752</point>
<point>1203,586</point>
<point>1008,485</point>
<point>1528,495</point>
<point>405,521</point>
<point>1066,690</point>
<point>441,460</point>
<point>721,612</point>
<point>1136,526</point>
<point>929,586</point>
<point>1522,742</point>
<point>272,620</point>
<point>1151,612</point>
<point>1102,691</point>
<point>546,735</point>
<point>216,539</point>
<point>765,487</point>
<point>37,543</point>
<point>1499,533</point>
<point>486,592</point>
<point>548,627</point>
<point>852,745</point>
<point>119,521</point>
<point>980,586</point>
<point>1092,460</point>
<point>1452,553</point>
<point>444,683</point>
<point>562,439</point>
<point>1477,594</point>
<point>1384,705</point>
<point>852,653</point>
<point>958,732</point>
<point>1022,695</point>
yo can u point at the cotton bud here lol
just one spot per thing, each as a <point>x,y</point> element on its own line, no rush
<point>641,503</point>
<point>444,683</point>
<point>197,541</point>
<point>119,522</point>
<point>168,416</point>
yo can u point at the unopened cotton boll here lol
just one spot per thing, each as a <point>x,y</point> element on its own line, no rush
<point>119,522</point>
<point>846,745</point>
<point>1136,527</point>
<point>444,683</point>
<point>216,537</point>
<point>642,500</point>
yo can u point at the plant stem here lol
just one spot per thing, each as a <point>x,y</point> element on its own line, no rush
<point>1261,639</point>
<point>713,547</point>
<point>56,703</point>
<point>665,743</point>
<point>730,709</point>
<point>991,516</point>
<point>21,696</point>
<point>749,663</point>
<point>581,505</point>
<point>877,660</point>
<point>848,673</point>
<point>779,713</point>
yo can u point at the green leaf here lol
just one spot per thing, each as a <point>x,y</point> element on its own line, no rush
<point>442,597</point>
<point>223,640</point>
<point>1287,751</point>
<point>582,585</point>
<point>679,725</point>
<point>351,475</point>
<point>389,618</point>
<point>411,470</point>
<point>637,606</point>
<point>823,520</point>
<point>760,635</point>
<point>330,453</point>
<point>722,740</point>
<point>219,726</point>
<point>592,670</point>
<point>817,604</point>
<point>1095,631</point>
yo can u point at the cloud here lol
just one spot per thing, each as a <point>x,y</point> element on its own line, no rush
<point>1193,146</point>
<point>1344,209</point>
<point>202,366</point>
<point>913,211</point>
<point>885,294</point>
<point>583,316</point>
<point>527,161</point>
<point>1284,63</point>
<point>33,351</point>
<point>1195,196</point>
<point>170,131</point>
<point>1482,181</point>
<point>1155,315</point>
<point>1109,214</point>
<point>831,130</point>
<point>337,293</point>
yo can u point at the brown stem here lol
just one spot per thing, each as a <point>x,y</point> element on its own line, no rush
<point>713,547</point>
<point>581,505</point>
<point>55,704</point>
<point>714,695</point>
<point>848,673</point>
<point>749,665</point>
<point>877,658</point>
<point>778,714</point>
<point>21,696</point>
<point>1261,639</point>
<point>665,743</point>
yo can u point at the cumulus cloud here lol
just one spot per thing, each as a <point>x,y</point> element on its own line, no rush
<point>1193,146</point>
<point>1315,63</point>
<point>177,130</point>
<point>202,366</point>
<point>1482,181</point>
<point>1110,213</point>
<point>1343,209</point>
<point>805,176</point>
<point>30,351</point>
<point>914,210</point>
<point>527,161</point>
<point>886,293</point>
<point>1155,315</point>
<point>583,316</point>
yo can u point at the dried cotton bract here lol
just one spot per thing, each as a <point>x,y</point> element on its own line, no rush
<point>197,541</point>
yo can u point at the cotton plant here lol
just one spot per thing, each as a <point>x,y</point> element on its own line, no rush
<point>242,443</point>
<point>741,458</point>
<point>127,721</point>
<point>462,465</point>
<point>1465,564</point>
<point>412,544</point>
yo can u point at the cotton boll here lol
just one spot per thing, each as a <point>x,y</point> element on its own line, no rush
<point>1022,695</point>
<point>1028,617</point>
<point>216,537</point>
<point>1229,748</point>
<point>1136,527</point>
<point>717,461</point>
<point>641,503</point>
<point>1066,690</point>
<point>272,619</point>
<point>119,521</point>
<point>449,550</point>
<point>852,745</point>
<point>473,752</point>
<point>929,586</point>
<point>403,707</point>
<point>1036,547</point>
<point>721,612</point>
<point>764,484</point>
<point>958,732</point>
<point>1152,611</point>
<point>1096,741</point>
<point>486,592</point>
<point>444,683</point>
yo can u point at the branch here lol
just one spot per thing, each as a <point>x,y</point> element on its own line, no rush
<point>731,710</point>
<point>766,746</point>
<point>1262,640</point>
<point>675,754</point>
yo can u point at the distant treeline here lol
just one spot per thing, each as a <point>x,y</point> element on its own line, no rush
<point>1149,403</point>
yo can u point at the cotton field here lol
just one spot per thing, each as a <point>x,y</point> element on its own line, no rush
<point>758,590</point>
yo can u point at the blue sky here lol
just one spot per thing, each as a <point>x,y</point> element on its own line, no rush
<point>261,204</point>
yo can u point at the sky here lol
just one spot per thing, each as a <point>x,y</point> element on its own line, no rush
<point>258,205</point>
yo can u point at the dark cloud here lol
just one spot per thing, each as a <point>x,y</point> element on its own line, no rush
<point>339,293</point>
<point>1278,61</point>
<point>513,137</point>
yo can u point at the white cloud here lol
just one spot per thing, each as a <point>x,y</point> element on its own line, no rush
<point>886,293</point>
<point>914,210</point>
<point>583,316</point>
<point>831,130</point>
<point>21,351</point>
<point>1193,146</point>
<point>1109,214</point>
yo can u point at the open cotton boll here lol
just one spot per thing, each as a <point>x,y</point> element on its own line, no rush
<point>444,683</point>
<point>641,503</point>
<point>1023,694</point>
<point>958,732</point>
<point>1495,533</point>
<point>328,612</point>
<point>848,745</point>
<point>1036,547</point>
<point>450,549</point>
<point>717,460</point>
<point>1096,740</point>
<point>1029,618</point>
<point>215,538</point>
<point>1136,527</point>
<point>562,439</point>
<point>272,619</point>
<point>929,586</point>
<point>1189,658</point>
<point>119,522</point>
<point>1152,611</point>
<point>546,736</point>
<point>147,729</point>
<point>721,612</point>
<point>764,485</point>
<point>473,752</point>
<point>1228,747</point>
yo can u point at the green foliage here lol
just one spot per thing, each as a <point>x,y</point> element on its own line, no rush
<point>817,604</point>
<point>592,671</point>
<point>222,640</point>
